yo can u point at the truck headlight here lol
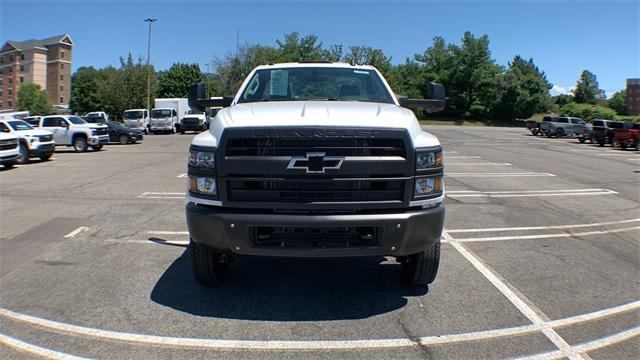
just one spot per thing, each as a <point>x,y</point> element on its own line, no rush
<point>204,185</point>
<point>202,159</point>
<point>428,159</point>
<point>428,185</point>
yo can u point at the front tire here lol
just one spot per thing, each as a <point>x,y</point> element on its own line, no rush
<point>23,155</point>
<point>45,157</point>
<point>420,269</point>
<point>209,268</point>
<point>80,144</point>
<point>97,147</point>
<point>582,139</point>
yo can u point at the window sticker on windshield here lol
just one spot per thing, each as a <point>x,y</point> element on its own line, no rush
<point>361,72</point>
<point>279,83</point>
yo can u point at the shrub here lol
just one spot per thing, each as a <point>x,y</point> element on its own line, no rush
<point>587,111</point>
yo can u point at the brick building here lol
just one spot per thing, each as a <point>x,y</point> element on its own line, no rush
<point>45,62</point>
<point>633,96</point>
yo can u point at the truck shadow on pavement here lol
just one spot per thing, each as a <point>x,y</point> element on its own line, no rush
<point>280,289</point>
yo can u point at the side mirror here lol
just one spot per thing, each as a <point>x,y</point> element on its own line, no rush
<point>199,102</point>
<point>64,124</point>
<point>434,102</point>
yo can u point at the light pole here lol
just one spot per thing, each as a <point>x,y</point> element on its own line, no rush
<point>150,21</point>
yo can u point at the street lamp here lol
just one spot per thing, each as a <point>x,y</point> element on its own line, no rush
<point>150,21</point>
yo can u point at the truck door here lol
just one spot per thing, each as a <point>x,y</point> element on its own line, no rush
<point>55,125</point>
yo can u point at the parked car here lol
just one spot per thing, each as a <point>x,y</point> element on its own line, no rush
<point>123,135</point>
<point>70,130</point>
<point>34,121</point>
<point>8,149</point>
<point>137,119</point>
<point>627,136</point>
<point>96,117</point>
<point>584,132</point>
<point>561,126</point>
<point>604,131</point>
<point>533,126</point>
<point>31,142</point>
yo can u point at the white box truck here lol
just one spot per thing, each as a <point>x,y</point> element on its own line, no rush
<point>166,115</point>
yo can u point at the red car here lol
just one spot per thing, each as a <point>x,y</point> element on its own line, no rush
<point>627,136</point>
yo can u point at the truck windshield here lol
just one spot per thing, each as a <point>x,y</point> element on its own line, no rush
<point>316,83</point>
<point>76,120</point>
<point>19,125</point>
<point>159,114</point>
<point>132,115</point>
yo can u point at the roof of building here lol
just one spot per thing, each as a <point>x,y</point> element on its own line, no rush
<point>43,43</point>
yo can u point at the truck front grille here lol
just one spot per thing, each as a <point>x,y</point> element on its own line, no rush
<point>296,190</point>
<point>190,122</point>
<point>45,138</point>
<point>315,237</point>
<point>331,147</point>
<point>101,131</point>
<point>8,144</point>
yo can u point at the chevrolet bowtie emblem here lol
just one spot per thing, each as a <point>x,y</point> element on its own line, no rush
<point>315,163</point>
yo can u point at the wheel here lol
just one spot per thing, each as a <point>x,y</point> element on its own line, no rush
<point>8,164</point>
<point>96,147</point>
<point>560,133</point>
<point>535,132</point>
<point>80,144</point>
<point>181,131</point>
<point>123,139</point>
<point>23,154</point>
<point>624,145</point>
<point>549,134</point>
<point>146,130</point>
<point>45,157</point>
<point>173,130</point>
<point>612,141</point>
<point>210,268</point>
<point>421,268</point>
<point>582,139</point>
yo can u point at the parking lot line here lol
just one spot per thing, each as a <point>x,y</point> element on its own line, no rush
<point>584,348</point>
<point>462,157</point>
<point>76,231</point>
<point>168,232</point>
<point>480,164</point>
<point>149,241</point>
<point>35,350</point>
<point>182,175</point>
<point>527,228</point>
<point>534,315</point>
<point>498,174</point>
<point>162,195</point>
<point>548,236</point>
<point>613,154</point>
<point>530,193</point>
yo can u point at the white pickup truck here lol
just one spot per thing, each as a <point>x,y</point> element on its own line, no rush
<point>315,160</point>
<point>69,130</point>
<point>8,149</point>
<point>31,142</point>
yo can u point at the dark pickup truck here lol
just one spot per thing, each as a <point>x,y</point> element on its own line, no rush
<point>627,136</point>
<point>604,131</point>
<point>533,126</point>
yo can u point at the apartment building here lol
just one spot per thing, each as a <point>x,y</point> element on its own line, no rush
<point>633,96</point>
<point>45,62</point>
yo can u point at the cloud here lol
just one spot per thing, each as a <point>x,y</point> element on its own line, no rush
<point>559,90</point>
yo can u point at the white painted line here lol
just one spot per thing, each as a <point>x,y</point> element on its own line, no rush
<point>532,314</point>
<point>498,174</point>
<point>531,193</point>
<point>462,157</point>
<point>450,152</point>
<point>609,340</point>
<point>149,241</point>
<point>528,228</point>
<point>182,175</point>
<point>35,350</point>
<point>479,164</point>
<point>76,231</point>
<point>548,236</point>
<point>597,315</point>
<point>162,195</point>
<point>168,232</point>
<point>627,155</point>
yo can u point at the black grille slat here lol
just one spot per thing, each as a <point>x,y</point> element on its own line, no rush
<point>300,147</point>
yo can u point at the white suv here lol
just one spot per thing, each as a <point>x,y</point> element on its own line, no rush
<point>73,131</point>
<point>8,149</point>
<point>31,142</point>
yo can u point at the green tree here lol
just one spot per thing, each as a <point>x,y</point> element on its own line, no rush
<point>587,91</point>
<point>174,83</point>
<point>84,90</point>
<point>562,99</point>
<point>618,102</point>
<point>407,79</point>
<point>525,90</point>
<point>369,56</point>
<point>33,99</point>
<point>587,111</point>
<point>294,48</point>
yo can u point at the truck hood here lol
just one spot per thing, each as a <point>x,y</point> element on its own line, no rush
<point>34,132</point>
<point>335,114</point>
<point>90,126</point>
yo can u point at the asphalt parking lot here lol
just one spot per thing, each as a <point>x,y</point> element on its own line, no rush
<point>541,258</point>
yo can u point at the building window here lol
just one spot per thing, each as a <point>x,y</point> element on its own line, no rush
<point>62,54</point>
<point>21,68</point>
<point>61,99</point>
<point>9,103</point>
<point>21,79</point>
<point>0,71</point>
<point>10,70</point>
<point>10,80</point>
<point>21,56</point>
<point>11,58</point>
<point>10,92</point>
<point>2,60</point>
<point>61,88</point>
<point>61,77</point>
<point>61,65</point>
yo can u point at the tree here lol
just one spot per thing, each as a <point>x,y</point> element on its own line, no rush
<point>369,56</point>
<point>587,91</point>
<point>525,90</point>
<point>33,99</point>
<point>84,90</point>
<point>618,102</point>
<point>562,99</point>
<point>407,79</point>
<point>174,83</point>
<point>294,48</point>
<point>587,111</point>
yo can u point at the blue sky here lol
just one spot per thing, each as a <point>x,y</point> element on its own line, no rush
<point>563,38</point>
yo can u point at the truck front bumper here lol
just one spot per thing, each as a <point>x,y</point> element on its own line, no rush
<point>98,140</point>
<point>39,149</point>
<point>232,231</point>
